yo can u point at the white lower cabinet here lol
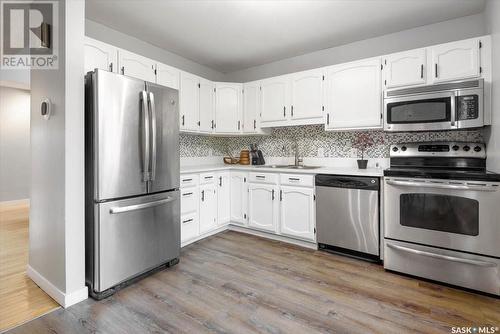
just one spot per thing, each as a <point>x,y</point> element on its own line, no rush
<point>263,207</point>
<point>223,198</point>
<point>278,204</point>
<point>208,208</point>
<point>298,216</point>
<point>239,196</point>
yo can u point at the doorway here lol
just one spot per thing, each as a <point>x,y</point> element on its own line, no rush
<point>20,298</point>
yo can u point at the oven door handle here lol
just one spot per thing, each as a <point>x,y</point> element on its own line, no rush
<point>443,257</point>
<point>442,185</point>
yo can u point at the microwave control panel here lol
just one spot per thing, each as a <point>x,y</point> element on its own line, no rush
<point>467,107</point>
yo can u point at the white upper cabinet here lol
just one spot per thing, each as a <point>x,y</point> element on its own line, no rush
<point>298,216</point>
<point>275,100</point>
<point>207,105</point>
<point>99,55</point>
<point>228,108</point>
<point>307,96</point>
<point>223,197</point>
<point>353,95</point>
<point>405,68</point>
<point>263,207</point>
<point>239,197</point>
<point>455,61</point>
<point>251,107</point>
<point>167,76</point>
<point>189,107</point>
<point>136,66</point>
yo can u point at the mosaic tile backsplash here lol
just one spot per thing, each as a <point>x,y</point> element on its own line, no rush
<point>310,139</point>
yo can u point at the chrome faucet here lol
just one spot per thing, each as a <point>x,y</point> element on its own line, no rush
<point>298,161</point>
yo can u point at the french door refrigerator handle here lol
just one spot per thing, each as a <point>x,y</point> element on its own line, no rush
<point>135,207</point>
<point>151,102</point>
<point>442,257</point>
<point>145,136</point>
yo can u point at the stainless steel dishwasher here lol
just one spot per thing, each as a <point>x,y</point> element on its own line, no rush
<point>347,215</point>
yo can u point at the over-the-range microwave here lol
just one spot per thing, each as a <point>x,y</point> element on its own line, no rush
<point>449,106</point>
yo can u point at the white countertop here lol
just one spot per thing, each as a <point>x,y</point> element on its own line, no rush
<point>322,170</point>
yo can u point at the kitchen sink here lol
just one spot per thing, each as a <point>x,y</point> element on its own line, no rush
<point>289,166</point>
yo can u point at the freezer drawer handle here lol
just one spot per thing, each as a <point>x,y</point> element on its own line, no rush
<point>442,185</point>
<point>443,257</point>
<point>140,206</point>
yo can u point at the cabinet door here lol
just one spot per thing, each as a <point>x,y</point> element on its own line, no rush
<point>223,198</point>
<point>405,68</point>
<point>228,108</point>
<point>307,95</point>
<point>99,55</point>
<point>208,208</point>
<point>354,95</point>
<point>251,107</point>
<point>455,61</point>
<point>207,105</point>
<point>297,212</point>
<point>167,76</point>
<point>189,102</point>
<point>275,99</point>
<point>136,66</point>
<point>239,192</point>
<point>263,206</point>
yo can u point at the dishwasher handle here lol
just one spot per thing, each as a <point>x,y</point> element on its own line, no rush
<point>348,182</point>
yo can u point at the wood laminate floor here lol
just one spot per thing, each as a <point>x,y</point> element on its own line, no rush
<point>20,299</point>
<point>237,283</point>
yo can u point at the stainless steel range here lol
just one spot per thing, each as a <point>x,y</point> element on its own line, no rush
<point>442,214</point>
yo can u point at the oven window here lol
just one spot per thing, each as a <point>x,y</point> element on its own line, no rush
<point>419,111</point>
<point>440,213</point>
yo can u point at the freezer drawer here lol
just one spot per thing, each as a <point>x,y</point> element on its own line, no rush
<point>461,269</point>
<point>134,236</point>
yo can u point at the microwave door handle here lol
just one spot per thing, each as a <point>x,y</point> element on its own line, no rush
<point>453,109</point>
<point>443,185</point>
<point>152,109</point>
<point>145,136</point>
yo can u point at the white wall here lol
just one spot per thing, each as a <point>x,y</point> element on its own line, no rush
<point>461,28</point>
<point>15,78</point>
<point>57,251</point>
<point>15,161</point>
<point>492,12</point>
<point>108,35</point>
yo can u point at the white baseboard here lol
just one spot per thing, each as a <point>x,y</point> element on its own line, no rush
<point>63,299</point>
<point>205,235</point>
<point>302,243</point>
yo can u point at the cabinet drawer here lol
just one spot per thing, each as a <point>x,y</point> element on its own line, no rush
<point>264,178</point>
<point>189,180</point>
<point>297,180</point>
<point>190,227</point>
<point>189,200</point>
<point>206,178</point>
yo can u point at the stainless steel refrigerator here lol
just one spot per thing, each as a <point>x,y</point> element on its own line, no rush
<point>132,180</point>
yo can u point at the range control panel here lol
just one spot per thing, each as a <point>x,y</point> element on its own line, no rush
<point>439,149</point>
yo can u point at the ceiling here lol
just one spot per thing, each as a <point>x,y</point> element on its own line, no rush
<point>233,35</point>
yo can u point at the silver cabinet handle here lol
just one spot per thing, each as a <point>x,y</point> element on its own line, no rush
<point>293,179</point>
<point>422,71</point>
<point>443,257</point>
<point>260,176</point>
<point>111,67</point>
<point>442,185</point>
<point>208,177</point>
<point>187,194</point>
<point>151,102</point>
<point>220,181</point>
<point>272,195</point>
<point>203,195</point>
<point>140,206</point>
<point>187,180</point>
<point>145,137</point>
<point>187,220</point>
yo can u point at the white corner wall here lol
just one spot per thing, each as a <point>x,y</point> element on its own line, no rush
<point>456,29</point>
<point>492,12</point>
<point>57,249</point>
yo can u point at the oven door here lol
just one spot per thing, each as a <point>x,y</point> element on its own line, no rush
<point>421,112</point>
<point>451,214</point>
